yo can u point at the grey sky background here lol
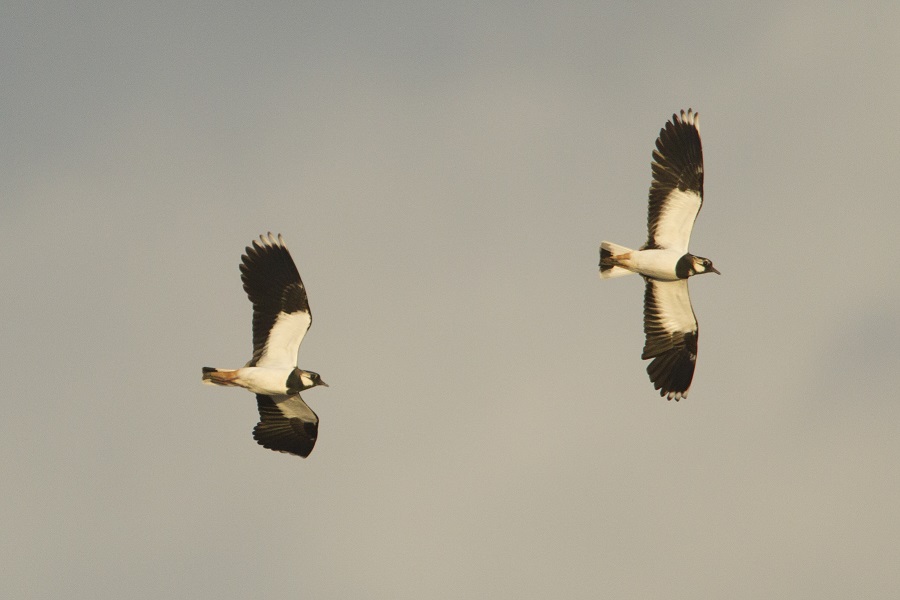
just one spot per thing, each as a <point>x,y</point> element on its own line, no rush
<point>443,174</point>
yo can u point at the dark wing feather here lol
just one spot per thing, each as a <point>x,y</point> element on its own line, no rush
<point>676,192</point>
<point>286,424</point>
<point>672,331</point>
<point>273,285</point>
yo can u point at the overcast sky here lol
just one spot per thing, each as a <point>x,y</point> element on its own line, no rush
<point>443,173</point>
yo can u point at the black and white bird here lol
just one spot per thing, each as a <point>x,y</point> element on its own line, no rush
<point>676,195</point>
<point>281,318</point>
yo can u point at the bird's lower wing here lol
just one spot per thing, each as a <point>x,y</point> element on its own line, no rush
<point>286,424</point>
<point>671,337</point>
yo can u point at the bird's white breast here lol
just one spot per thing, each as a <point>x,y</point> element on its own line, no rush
<point>657,264</point>
<point>264,380</point>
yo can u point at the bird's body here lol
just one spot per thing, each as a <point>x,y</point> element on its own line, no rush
<point>281,317</point>
<point>656,263</point>
<point>676,195</point>
<point>262,380</point>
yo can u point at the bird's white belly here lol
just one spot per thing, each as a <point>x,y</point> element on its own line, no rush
<point>657,264</point>
<point>264,380</point>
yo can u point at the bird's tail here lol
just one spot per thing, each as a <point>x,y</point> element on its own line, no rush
<point>213,376</point>
<point>609,266</point>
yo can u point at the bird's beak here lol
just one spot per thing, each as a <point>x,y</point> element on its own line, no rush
<point>323,383</point>
<point>714,270</point>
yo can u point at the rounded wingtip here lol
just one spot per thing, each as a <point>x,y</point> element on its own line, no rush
<point>268,239</point>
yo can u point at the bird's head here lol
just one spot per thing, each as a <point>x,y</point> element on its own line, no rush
<point>300,380</point>
<point>702,265</point>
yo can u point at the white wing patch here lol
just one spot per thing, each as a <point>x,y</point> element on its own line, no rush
<point>676,220</point>
<point>673,305</point>
<point>284,340</point>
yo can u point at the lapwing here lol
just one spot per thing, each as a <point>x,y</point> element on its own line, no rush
<point>281,318</point>
<point>676,195</point>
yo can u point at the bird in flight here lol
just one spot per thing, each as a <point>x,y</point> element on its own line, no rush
<point>281,318</point>
<point>676,195</point>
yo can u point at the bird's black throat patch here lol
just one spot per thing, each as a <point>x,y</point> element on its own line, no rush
<point>293,384</point>
<point>684,268</point>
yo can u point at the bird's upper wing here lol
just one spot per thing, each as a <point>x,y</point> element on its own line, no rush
<point>281,314</point>
<point>286,424</point>
<point>676,192</point>
<point>672,332</point>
